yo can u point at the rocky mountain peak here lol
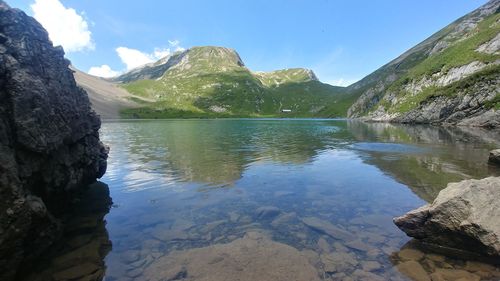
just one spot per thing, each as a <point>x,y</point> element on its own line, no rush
<point>213,53</point>
<point>194,60</point>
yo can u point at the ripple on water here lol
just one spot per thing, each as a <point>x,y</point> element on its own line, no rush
<point>278,199</point>
<point>388,147</point>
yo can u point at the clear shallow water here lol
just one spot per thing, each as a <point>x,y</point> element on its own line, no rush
<point>215,199</point>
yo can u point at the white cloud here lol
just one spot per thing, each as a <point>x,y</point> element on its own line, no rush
<point>103,71</point>
<point>174,43</point>
<point>133,58</point>
<point>342,82</point>
<point>179,49</point>
<point>161,53</point>
<point>65,26</point>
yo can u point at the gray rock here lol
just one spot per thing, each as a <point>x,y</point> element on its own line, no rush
<point>466,108</point>
<point>463,217</point>
<point>49,141</point>
<point>490,47</point>
<point>371,265</point>
<point>267,212</point>
<point>494,157</point>
<point>327,228</point>
<point>414,270</point>
<point>338,262</point>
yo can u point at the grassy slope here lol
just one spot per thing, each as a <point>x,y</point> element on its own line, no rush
<point>416,64</point>
<point>212,82</point>
<point>460,53</point>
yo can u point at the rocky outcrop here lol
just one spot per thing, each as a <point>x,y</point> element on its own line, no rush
<point>491,47</point>
<point>433,83</point>
<point>463,218</point>
<point>466,107</point>
<point>494,157</point>
<point>49,141</point>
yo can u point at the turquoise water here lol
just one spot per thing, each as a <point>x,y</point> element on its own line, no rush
<point>190,196</point>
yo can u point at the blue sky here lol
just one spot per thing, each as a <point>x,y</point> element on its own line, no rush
<point>342,41</point>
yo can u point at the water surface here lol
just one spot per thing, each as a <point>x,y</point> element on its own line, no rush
<point>270,199</point>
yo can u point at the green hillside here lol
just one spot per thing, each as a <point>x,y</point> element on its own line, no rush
<point>214,82</point>
<point>451,76</point>
<point>435,76</point>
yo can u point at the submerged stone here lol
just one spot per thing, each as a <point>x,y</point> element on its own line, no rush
<point>371,265</point>
<point>454,274</point>
<point>410,254</point>
<point>413,270</point>
<point>338,262</point>
<point>283,218</point>
<point>361,275</point>
<point>267,212</point>
<point>358,245</point>
<point>494,157</point>
<point>253,257</point>
<point>130,256</point>
<point>323,245</point>
<point>327,228</point>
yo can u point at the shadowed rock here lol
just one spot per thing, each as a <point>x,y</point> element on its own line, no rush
<point>79,254</point>
<point>49,141</point>
<point>463,218</point>
<point>494,157</point>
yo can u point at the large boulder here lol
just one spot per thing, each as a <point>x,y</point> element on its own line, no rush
<point>49,142</point>
<point>465,217</point>
<point>494,157</point>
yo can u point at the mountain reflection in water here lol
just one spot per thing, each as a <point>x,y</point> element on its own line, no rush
<point>264,199</point>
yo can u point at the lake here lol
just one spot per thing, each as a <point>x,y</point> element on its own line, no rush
<point>269,199</point>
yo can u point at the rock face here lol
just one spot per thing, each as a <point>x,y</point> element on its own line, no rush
<point>465,108</point>
<point>463,217</point>
<point>431,83</point>
<point>49,142</point>
<point>494,157</point>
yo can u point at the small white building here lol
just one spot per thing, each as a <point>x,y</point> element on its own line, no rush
<point>286,110</point>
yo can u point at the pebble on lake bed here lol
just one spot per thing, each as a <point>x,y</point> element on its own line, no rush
<point>494,157</point>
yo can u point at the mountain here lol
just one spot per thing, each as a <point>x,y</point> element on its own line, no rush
<point>451,77</point>
<point>213,81</point>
